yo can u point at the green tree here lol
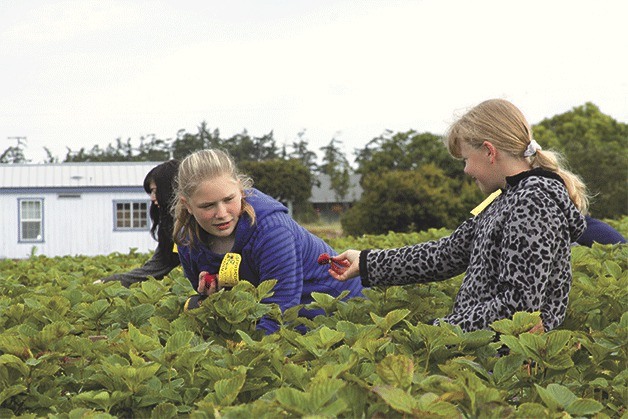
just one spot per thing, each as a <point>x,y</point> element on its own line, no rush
<point>284,180</point>
<point>302,153</point>
<point>153,149</point>
<point>405,201</point>
<point>406,151</point>
<point>13,155</point>
<point>49,157</point>
<point>594,145</point>
<point>120,152</point>
<point>187,143</point>
<point>243,147</point>
<point>411,177</point>
<point>337,167</point>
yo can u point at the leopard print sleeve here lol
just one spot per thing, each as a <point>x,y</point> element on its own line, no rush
<point>424,262</point>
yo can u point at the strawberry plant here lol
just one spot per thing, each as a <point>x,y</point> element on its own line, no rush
<point>71,348</point>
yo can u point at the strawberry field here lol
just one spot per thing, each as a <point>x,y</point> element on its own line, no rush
<point>70,348</point>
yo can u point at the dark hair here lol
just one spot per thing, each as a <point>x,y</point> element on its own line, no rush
<point>164,176</point>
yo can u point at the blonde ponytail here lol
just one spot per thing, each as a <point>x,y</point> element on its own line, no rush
<point>554,162</point>
<point>504,125</point>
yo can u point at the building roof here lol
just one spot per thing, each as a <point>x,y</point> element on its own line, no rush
<point>323,193</point>
<point>96,175</point>
<point>74,175</point>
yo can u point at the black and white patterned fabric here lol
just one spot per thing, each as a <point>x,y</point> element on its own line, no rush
<point>516,254</point>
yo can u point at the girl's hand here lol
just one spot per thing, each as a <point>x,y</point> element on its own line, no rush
<point>347,265</point>
<point>207,283</point>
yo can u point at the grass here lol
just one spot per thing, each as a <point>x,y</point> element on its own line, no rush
<point>325,230</point>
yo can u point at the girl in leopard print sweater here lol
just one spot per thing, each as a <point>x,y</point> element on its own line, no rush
<point>515,253</point>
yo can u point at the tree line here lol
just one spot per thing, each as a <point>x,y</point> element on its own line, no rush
<point>409,180</point>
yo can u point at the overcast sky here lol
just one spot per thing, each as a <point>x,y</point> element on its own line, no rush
<point>85,72</point>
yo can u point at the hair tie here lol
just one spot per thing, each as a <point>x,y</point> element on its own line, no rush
<point>533,147</point>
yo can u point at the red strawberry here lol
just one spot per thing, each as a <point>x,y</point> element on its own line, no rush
<point>324,259</point>
<point>336,265</point>
<point>209,280</point>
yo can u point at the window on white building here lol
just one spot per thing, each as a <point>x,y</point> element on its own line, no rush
<point>31,220</point>
<point>130,215</point>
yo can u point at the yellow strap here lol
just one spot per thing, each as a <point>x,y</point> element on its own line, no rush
<point>228,275</point>
<point>486,202</point>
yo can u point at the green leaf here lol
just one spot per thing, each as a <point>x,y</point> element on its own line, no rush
<point>214,373</point>
<point>142,374</point>
<point>102,399</point>
<point>318,342</point>
<point>246,338</point>
<point>561,394</point>
<point>141,342</point>
<point>532,410</point>
<point>477,338</point>
<point>507,366</point>
<point>430,404</point>
<point>295,375</point>
<point>96,309</point>
<point>11,391</point>
<point>521,322</point>
<point>396,398</point>
<point>548,398</point>
<point>397,370</point>
<point>321,392</point>
<point>560,362</point>
<point>264,289</point>
<point>556,396</point>
<point>54,331</point>
<point>584,407</point>
<point>164,410</point>
<point>227,390</point>
<point>557,340</point>
<point>179,341</point>
<point>293,400</point>
<point>329,337</point>
<point>391,319</point>
<point>141,314</point>
<point>613,268</point>
<point>14,362</point>
<point>534,345</point>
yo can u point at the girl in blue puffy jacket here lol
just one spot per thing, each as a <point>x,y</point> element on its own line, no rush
<point>219,214</point>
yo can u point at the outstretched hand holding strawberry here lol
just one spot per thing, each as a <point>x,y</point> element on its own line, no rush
<point>344,266</point>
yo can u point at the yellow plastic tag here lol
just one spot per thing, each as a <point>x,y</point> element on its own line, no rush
<point>228,275</point>
<point>486,202</point>
<point>175,249</point>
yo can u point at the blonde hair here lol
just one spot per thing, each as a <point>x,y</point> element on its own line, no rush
<point>503,124</point>
<point>195,169</point>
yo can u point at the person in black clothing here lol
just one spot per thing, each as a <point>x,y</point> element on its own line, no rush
<point>599,232</point>
<point>160,185</point>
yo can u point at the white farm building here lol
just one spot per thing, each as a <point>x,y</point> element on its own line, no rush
<point>74,209</point>
<point>89,209</point>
